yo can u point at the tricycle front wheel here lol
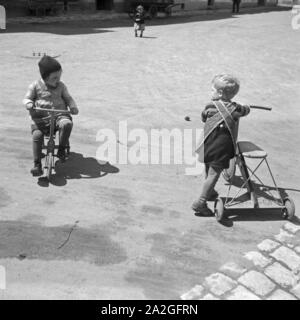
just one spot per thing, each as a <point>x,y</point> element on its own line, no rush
<point>49,165</point>
<point>288,211</point>
<point>219,209</point>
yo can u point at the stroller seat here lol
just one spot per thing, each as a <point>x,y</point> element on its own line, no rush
<point>250,150</point>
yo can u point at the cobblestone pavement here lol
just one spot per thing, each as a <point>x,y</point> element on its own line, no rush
<point>270,273</point>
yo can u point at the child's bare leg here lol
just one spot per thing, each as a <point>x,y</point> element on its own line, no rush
<point>213,174</point>
<point>206,170</point>
<point>65,128</point>
<point>210,182</point>
<point>37,143</point>
<point>213,194</point>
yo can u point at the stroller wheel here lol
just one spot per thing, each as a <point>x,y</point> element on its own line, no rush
<point>219,209</point>
<point>288,211</point>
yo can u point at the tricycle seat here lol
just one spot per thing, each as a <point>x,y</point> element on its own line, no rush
<point>250,150</point>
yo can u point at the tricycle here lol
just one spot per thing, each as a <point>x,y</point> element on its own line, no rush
<point>50,146</point>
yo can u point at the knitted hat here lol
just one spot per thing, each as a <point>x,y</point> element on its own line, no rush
<point>48,65</point>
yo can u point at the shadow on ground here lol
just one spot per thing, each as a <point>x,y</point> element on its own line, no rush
<point>258,214</point>
<point>102,26</point>
<point>25,240</point>
<point>265,196</point>
<point>61,28</point>
<point>262,190</point>
<point>78,167</point>
<point>249,214</point>
<point>270,205</point>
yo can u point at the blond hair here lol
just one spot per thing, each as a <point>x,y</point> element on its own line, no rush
<point>229,84</point>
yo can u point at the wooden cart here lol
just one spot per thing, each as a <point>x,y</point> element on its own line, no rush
<point>42,6</point>
<point>152,7</point>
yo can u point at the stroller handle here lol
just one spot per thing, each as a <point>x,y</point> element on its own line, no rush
<point>187,118</point>
<point>260,107</point>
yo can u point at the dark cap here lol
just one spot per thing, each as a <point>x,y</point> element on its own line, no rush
<point>48,65</point>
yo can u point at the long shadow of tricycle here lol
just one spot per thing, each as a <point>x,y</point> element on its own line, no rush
<point>78,167</point>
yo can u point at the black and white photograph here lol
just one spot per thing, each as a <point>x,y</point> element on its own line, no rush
<point>149,151</point>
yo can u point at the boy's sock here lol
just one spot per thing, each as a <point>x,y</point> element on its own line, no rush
<point>213,195</point>
<point>37,169</point>
<point>61,153</point>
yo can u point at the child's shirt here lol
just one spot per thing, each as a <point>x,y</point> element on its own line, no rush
<point>139,18</point>
<point>46,97</point>
<point>239,111</point>
<point>218,146</point>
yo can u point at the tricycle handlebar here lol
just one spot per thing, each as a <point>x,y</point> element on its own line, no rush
<point>51,110</point>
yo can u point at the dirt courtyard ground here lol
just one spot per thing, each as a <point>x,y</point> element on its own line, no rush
<point>130,230</point>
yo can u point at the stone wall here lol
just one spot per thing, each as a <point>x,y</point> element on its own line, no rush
<point>194,4</point>
<point>15,7</point>
<point>19,7</point>
<point>202,4</point>
<point>289,2</point>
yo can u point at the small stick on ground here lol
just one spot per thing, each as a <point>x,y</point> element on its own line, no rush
<point>65,242</point>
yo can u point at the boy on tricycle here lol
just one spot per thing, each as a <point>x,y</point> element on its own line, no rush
<point>49,92</point>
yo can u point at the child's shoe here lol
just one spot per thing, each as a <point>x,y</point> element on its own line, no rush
<point>213,195</point>
<point>201,208</point>
<point>61,154</point>
<point>37,169</point>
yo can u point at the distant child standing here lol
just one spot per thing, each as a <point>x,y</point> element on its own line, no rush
<point>139,21</point>
<point>236,6</point>
<point>49,92</point>
<point>220,133</point>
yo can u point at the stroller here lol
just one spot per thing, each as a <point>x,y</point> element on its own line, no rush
<point>249,150</point>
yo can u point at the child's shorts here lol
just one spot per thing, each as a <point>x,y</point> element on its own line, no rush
<point>44,127</point>
<point>139,26</point>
